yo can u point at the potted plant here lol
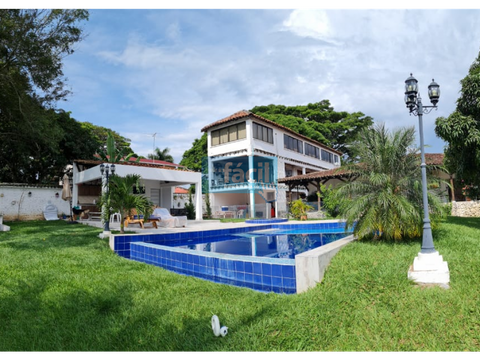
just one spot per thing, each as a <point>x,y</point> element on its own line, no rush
<point>299,209</point>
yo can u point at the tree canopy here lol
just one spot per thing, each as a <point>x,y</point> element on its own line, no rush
<point>33,44</point>
<point>461,130</point>
<point>319,121</point>
<point>193,157</point>
<point>35,139</point>
<point>161,155</point>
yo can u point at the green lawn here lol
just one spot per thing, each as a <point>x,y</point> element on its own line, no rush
<point>63,289</point>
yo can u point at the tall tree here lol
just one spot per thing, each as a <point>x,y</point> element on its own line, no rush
<point>319,121</point>
<point>161,155</point>
<point>385,199</point>
<point>33,44</point>
<point>112,153</point>
<point>193,157</point>
<point>461,130</point>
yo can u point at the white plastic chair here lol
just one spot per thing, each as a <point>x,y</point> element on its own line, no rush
<point>116,217</point>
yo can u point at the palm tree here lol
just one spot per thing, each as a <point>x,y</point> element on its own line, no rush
<point>112,154</point>
<point>161,155</point>
<point>121,198</point>
<point>385,198</point>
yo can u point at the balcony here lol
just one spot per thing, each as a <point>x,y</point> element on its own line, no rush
<point>220,186</point>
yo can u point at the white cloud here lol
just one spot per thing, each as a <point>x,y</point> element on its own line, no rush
<point>309,23</point>
<point>356,59</point>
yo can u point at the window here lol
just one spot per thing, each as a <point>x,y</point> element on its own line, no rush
<point>329,157</point>
<point>292,144</point>
<point>227,134</point>
<point>312,151</point>
<point>263,133</point>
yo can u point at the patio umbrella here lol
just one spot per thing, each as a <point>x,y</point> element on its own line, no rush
<point>67,194</point>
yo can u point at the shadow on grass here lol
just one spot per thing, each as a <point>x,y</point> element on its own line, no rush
<point>471,222</point>
<point>45,235</point>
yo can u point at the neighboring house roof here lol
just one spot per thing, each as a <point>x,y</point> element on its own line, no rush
<point>430,159</point>
<point>244,113</point>
<point>180,190</point>
<point>162,165</point>
<point>146,161</point>
<point>155,162</point>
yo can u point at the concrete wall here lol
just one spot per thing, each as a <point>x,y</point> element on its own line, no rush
<point>466,208</point>
<point>311,265</point>
<point>17,204</point>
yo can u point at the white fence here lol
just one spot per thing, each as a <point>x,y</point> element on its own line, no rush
<point>26,202</point>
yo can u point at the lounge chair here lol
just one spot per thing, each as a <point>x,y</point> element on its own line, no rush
<point>50,212</point>
<point>165,219</point>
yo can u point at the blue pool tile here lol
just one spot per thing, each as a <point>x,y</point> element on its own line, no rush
<point>257,279</point>
<point>277,281</point>
<point>289,283</point>
<point>257,268</point>
<point>239,266</point>
<point>277,270</point>
<point>248,267</point>
<point>202,261</point>
<point>267,269</point>
<point>288,271</point>
<point>248,278</point>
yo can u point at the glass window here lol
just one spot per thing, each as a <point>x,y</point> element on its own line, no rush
<point>263,133</point>
<point>223,136</point>
<point>242,130</point>
<point>311,150</point>
<point>232,133</point>
<point>292,144</point>
<point>215,138</point>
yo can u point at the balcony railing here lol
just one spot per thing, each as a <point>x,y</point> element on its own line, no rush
<point>242,186</point>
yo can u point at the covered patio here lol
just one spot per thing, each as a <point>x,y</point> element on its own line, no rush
<point>157,183</point>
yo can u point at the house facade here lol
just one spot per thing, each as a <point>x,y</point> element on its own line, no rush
<point>247,154</point>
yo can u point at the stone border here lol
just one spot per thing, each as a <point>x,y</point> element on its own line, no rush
<point>311,265</point>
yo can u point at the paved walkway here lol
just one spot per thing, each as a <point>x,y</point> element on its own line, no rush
<point>192,225</point>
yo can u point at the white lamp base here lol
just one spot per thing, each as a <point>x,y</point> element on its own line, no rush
<point>429,269</point>
<point>104,234</point>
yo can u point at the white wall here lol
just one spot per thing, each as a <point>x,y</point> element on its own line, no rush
<point>16,204</point>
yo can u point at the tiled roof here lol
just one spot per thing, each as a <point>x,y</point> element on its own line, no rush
<point>434,159</point>
<point>430,159</point>
<point>164,165</point>
<point>244,113</point>
<point>324,174</point>
<point>180,190</point>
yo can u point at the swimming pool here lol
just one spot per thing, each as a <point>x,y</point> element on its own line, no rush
<point>273,244</point>
<point>260,257</point>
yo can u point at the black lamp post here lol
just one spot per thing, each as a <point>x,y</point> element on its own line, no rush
<point>105,170</point>
<point>414,104</point>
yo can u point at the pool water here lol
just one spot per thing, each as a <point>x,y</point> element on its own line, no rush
<point>277,244</point>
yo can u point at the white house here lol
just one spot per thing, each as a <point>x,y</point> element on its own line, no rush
<point>158,181</point>
<point>247,154</point>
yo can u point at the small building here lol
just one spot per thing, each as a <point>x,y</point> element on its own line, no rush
<point>247,154</point>
<point>158,181</point>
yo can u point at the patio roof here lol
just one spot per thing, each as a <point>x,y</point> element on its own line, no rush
<point>340,173</point>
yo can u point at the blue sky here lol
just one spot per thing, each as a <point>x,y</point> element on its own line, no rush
<point>171,72</point>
